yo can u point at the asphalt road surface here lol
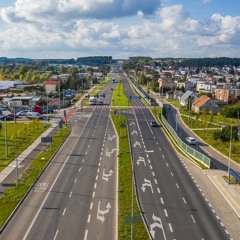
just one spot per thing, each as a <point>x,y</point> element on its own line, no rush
<point>76,197</point>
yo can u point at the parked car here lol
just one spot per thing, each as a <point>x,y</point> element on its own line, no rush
<point>22,113</point>
<point>3,107</point>
<point>34,115</point>
<point>6,118</point>
<point>12,115</point>
<point>191,140</point>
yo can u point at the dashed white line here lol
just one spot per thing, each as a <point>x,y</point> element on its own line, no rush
<point>75,180</point>
<point>151,167</point>
<point>193,219</point>
<point>177,185</point>
<point>165,212</point>
<point>158,189</point>
<point>184,200</point>
<point>79,169</point>
<point>91,205</point>
<point>167,164</point>
<point>162,200</point>
<point>163,156</point>
<point>97,177</point>
<point>170,226</point>
<point>89,218</point>
<point>160,149</point>
<point>95,185</point>
<point>64,211</point>
<point>98,170</point>
<point>70,194</point>
<point>93,194</point>
<point>55,236</point>
<point>153,174</point>
<point>171,173</point>
<point>155,180</point>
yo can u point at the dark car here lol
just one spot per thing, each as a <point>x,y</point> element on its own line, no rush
<point>6,118</point>
<point>153,123</point>
<point>12,115</point>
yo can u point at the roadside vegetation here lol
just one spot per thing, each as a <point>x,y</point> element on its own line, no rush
<point>125,187</point>
<point>119,99</point>
<point>15,138</point>
<point>13,195</point>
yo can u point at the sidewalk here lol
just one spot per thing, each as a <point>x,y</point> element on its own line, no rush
<point>230,192</point>
<point>12,166</point>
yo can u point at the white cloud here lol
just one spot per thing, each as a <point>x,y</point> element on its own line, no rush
<point>170,32</point>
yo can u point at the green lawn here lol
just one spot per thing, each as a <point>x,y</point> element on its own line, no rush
<point>19,136</point>
<point>119,98</point>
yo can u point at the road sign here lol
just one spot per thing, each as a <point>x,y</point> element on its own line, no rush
<point>69,92</point>
<point>8,184</point>
<point>46,139</point>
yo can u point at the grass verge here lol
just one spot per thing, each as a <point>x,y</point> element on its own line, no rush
<point>13,195</point>
<point>125,187</point>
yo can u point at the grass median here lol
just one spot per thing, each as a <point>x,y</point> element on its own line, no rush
<point>125,187</point>
<point>13,195</point>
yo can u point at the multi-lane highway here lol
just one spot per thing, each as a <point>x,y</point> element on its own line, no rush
<point>171,202</point>
<point>76,197</point>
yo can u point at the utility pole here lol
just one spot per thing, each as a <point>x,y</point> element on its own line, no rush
<point>6,138</point>
<point>229,156</point>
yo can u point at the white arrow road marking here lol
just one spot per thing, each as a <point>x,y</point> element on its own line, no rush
<point>141,159</point>
<point>157,223</point>
<point>111,138</point>
<point>108,154</point>
<point>106,176</point>
<point>132,123</point>
<point>101,213</point>
<point>147,184</point>
<point>134,132</point>
<point>137,144</point>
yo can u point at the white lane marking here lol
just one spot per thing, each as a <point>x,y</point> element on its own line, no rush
<point>91,205</point>
<point>177,185</point>
<point>83,160</point>
<point>184,200</point>
<point>193,219</point>
<point>162,200</point>
<point>167,164</point>
<point>95,185</point>
<point>170,226</point>
<point>160,149</point>
<point>165,212</point>
<point>55,236</point>
<point>151,167</point>
<point>79,169</point>
<point>155,180</point>
<point>98,170</point>
<point>171,173</point>
<point>163,156</point>
<point>97,177</point>
<point>93,195</point>
<point>153,174</point>
<point>75,180</point>
<point>64,211</point>
<point>70,194</point>
<point>45,199</point>
<point>222,224</point>
<point>158,189</point>
<point>89,218</point>
<point>85,235</point>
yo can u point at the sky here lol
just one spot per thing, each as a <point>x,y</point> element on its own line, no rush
<point>119,28</point>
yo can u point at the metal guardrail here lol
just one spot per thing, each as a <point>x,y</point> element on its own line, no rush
<point>185,147</point>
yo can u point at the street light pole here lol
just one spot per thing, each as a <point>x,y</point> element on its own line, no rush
<point>6,138</point>
<point>230,149</point>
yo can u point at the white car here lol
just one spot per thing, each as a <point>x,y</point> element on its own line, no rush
<point>191,140</point>
<point>34,115</point>
<point>22,113</point>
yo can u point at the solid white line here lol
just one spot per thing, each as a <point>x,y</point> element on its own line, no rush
<point>193,219</point>
<point>64,211</point>
<point>85,236</point>
<point>166,213</point>
<point>70,194</point>
<point>89,218</point>
<point>91,205</point>
<point>55,236</point>
<point>45,199</point>
<point>170,226</point>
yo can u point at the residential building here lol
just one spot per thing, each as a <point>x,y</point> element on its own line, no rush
<point>187,97</point>
<point>205,102</point>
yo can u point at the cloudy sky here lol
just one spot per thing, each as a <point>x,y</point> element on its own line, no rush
<point>119,28</point>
